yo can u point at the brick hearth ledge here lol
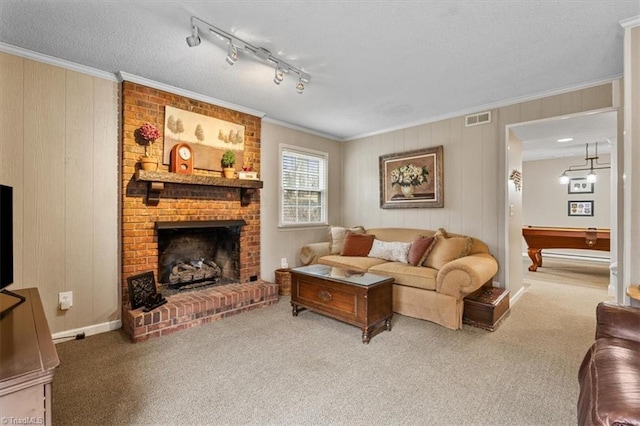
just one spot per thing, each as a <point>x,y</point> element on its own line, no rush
<point>195,308</point>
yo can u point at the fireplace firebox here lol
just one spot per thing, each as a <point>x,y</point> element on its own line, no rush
<point>198,254</point>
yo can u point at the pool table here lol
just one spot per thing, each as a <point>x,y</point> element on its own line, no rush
<point>538,238</point>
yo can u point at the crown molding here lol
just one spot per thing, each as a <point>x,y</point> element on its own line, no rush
<point>485,107</point>
<point>40,57</point>
<point>300,129</point>
<point>123,76</point>
<point>634,21</point>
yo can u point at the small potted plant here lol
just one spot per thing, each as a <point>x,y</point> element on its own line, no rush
<point>146,135</point>
<point>228,163</point>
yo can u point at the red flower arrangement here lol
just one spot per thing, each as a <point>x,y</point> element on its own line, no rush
<point>149,132</point>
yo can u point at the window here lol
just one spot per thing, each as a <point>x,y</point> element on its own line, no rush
<point>303,187</point>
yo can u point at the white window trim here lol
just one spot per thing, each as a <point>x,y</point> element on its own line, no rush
<point>325,208</point>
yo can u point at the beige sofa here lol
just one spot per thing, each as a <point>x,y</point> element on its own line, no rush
<point>421,292</point>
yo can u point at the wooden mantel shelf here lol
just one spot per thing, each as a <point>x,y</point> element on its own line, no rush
<point>157,180</point>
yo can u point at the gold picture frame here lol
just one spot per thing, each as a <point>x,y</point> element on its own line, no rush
<point>413,179</point>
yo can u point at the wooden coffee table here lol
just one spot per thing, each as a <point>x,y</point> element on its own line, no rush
<point>358,298</point>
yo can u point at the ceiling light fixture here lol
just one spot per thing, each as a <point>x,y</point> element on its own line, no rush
<point>588,165</point>
<point>194,39</point>
<point>565,140</point>
<point>235,44</point>
<point>232,54</point>
<point>279,75</point>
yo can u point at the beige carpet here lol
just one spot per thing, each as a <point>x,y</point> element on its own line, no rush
<point>569,271</point>
<point>266,367</point>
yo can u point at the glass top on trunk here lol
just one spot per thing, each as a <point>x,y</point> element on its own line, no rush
<point>341,274</point>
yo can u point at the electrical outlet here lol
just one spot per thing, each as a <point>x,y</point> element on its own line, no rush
<point>65,300</point>
<point>283,263</point>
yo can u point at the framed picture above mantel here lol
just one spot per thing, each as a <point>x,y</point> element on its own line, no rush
<point>412,179</point>
<point>207,137</point>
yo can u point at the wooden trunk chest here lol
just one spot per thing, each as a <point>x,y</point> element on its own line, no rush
<point>486,307</point>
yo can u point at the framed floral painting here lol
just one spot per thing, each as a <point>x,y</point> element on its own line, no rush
<point>412,179</point>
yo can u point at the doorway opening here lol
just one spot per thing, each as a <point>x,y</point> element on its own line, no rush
<point>542,150</point>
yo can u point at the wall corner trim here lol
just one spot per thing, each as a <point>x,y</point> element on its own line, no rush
<point>40,57</point>
<point>123,76</point>
<point>300,129</point>
<point>634,21</point>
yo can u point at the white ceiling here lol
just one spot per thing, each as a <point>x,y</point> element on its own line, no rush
<point>540,139</point>
<point>374,65</point>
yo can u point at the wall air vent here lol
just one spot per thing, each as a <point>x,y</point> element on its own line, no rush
<point>475,119</point>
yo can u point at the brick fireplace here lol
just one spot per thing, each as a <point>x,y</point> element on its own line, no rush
<point>151,201</point>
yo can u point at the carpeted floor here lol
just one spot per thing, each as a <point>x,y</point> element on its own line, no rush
<point>266,367</point>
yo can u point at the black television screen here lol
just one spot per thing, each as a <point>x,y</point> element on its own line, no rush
<point>6,236</point>
<point>6,252</point>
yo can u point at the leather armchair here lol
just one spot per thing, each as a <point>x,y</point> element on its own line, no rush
<point>609,375</point>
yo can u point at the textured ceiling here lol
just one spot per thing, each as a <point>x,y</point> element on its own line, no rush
<point>375,65</point>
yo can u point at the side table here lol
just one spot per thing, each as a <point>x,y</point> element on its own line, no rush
<point>486,307</point>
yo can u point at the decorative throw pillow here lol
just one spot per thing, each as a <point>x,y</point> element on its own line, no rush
<point>337,235</point>
<point>357,244</point>
<point>394,251</point>
<point>419,250</point>
<point>447,249</point>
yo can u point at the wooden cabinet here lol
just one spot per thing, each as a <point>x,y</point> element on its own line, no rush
<point>486,307</point>
<point>28,360</point>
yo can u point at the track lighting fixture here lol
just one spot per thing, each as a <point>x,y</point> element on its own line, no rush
<point>588,165</point>
<point>232,54</point>
<point>194,39</point>
<point>279,75</point>
<point>234,44</point>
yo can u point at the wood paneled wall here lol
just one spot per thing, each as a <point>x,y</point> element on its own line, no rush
<point>277,243</point>
<point>59,150</point>
<point>631,160</point>
<point>474,170</point>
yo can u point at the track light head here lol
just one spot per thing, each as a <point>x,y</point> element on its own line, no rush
<point>232,54</point>
<point>300,86</point>
<point>564,179</point>
<point>193,40</point>
<point>277,79</point>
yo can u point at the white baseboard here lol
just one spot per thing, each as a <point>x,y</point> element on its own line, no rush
<point>89,330</point>
<point>514,299</point>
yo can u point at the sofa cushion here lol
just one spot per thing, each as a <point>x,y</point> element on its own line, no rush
<point>355,263</point>
<point>337,235</point>
<point>406,235</point>
<point>404,274</point>
<point>419,250</point>
<point>447,249</point>
<point>394,251</point>
<point>357,244</point>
